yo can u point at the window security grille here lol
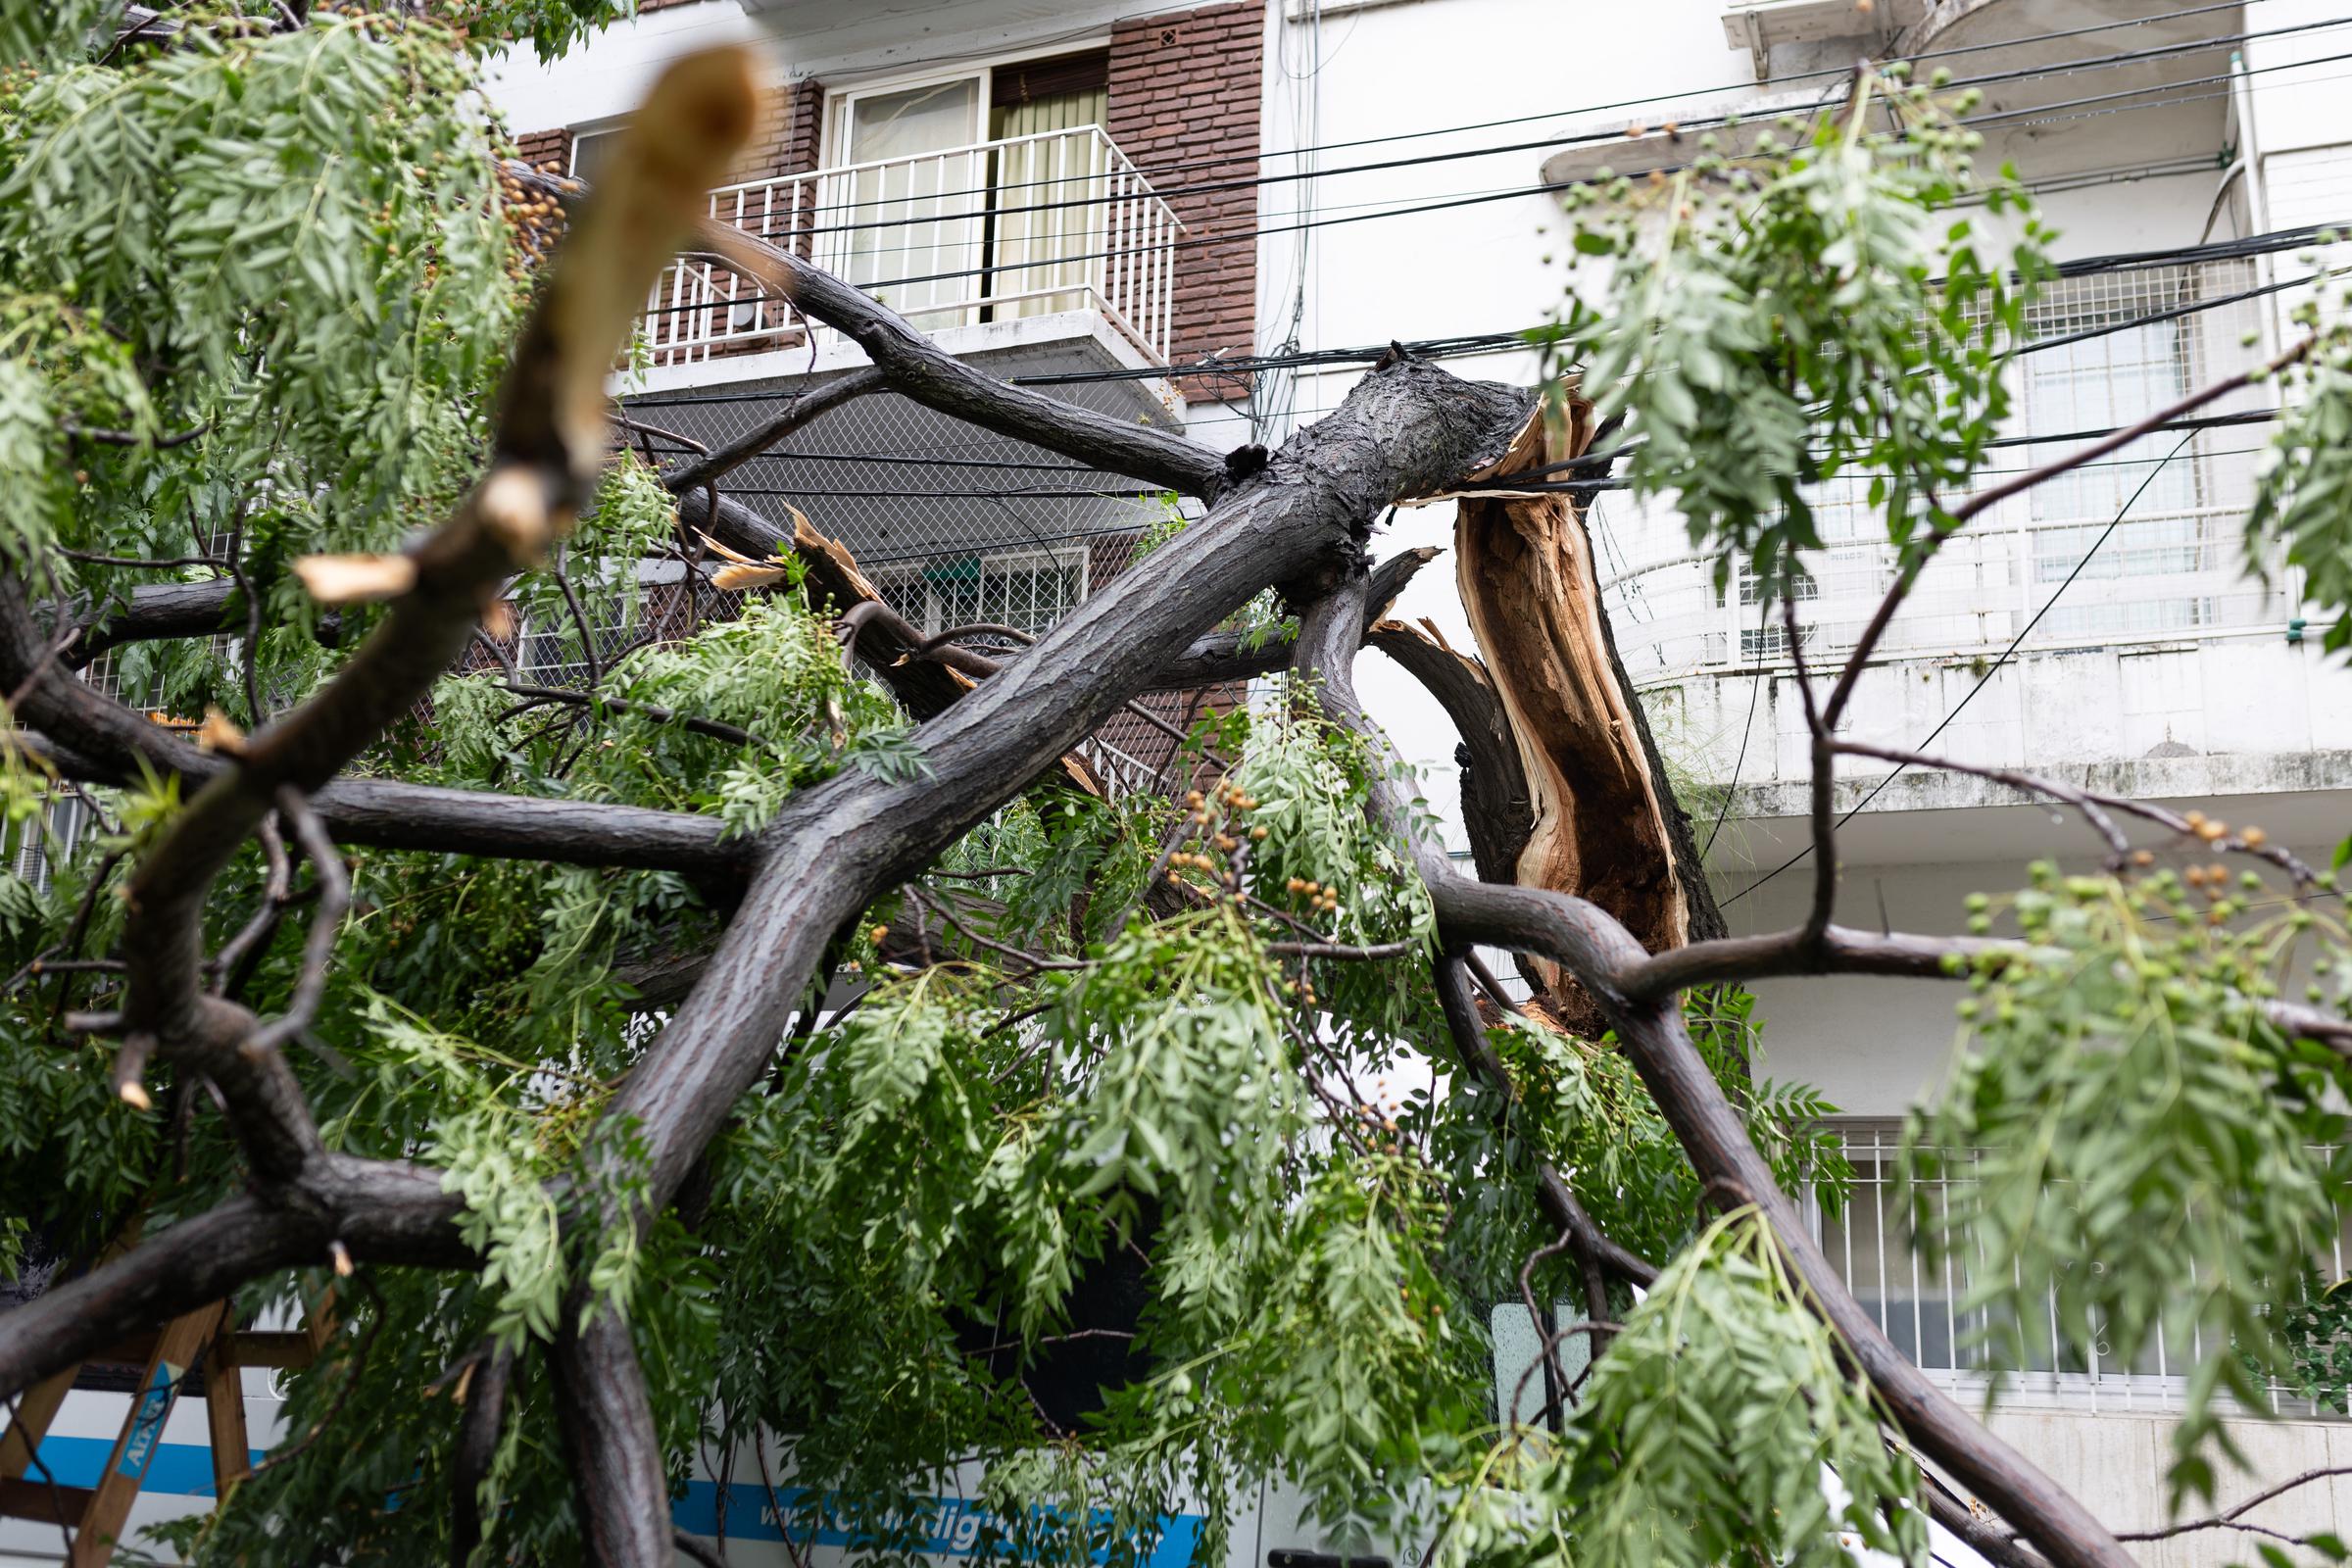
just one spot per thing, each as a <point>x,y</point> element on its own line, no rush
<point>1922,1305</point>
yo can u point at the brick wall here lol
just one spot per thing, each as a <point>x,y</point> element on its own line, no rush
<point>788,139</point>
<point>548,151</point>
<point>1184,86</point>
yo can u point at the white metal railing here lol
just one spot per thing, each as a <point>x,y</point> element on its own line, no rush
<point>2173,568</point>
<point>1024,225</point>
<point>1922,1308</point>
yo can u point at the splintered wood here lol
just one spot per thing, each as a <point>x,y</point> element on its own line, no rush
<point>1607,828</point>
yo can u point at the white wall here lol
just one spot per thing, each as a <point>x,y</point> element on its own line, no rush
<point>607,77</point>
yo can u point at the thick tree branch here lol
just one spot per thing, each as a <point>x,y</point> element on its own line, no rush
<point>1497,808</point>
<point>1231,656</point>
<point>620,1485</point>
<point>381,1210</point>
<point>798,411</point>
<point>1404,430</point>
<point>484,1392</point>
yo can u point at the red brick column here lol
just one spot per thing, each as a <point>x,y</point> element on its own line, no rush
<point>1184,87</point>
<point>548,151</point>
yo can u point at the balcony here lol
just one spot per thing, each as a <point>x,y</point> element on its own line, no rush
<point>2169,571</point>
<point>996,232</point>
<point>2102,627</point>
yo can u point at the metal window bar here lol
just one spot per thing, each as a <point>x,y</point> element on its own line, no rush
<point>932,213</point>
<point>1918,1304</point>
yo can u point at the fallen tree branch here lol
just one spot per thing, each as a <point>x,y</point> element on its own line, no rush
<point>837,844</point>
<point>798,411</point>
<point>1499,810</point>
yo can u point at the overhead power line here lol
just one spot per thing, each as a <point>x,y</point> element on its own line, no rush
<point>793,229</point>
<point>1785,78</point>
<point>1488,342</point>
<point>1244,236</point>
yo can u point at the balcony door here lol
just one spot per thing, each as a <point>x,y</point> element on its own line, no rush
<point>1051,176</point>
<point>904,215</point>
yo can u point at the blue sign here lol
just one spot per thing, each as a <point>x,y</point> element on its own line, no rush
<point>147,1421</point>
<point>950,1527</point>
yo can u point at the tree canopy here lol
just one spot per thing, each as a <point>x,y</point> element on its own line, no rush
<point>500,1011</point>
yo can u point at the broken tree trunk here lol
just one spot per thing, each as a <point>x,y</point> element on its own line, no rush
<point>1605,824</point>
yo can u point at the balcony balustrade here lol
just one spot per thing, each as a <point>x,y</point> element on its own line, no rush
<point>1025,225</point>
<point>2172,570</point>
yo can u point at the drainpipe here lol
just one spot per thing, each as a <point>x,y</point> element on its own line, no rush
<point>2258,221</point>
<point>2258,199</point>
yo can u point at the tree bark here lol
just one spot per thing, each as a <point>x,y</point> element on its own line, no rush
<point>1497,806</point>
<point>615,1449</point>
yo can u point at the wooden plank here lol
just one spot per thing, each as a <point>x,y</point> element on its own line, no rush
<point>40,1403</point>
<point>34,1411</point>
<point>177,1347</point>
<point>224,1407</point>
<point>41,1503</point>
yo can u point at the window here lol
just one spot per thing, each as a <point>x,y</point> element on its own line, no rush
<point>1921,1307</point>
<point>1759,643</point>
<point>1038,113</point>
<point>976,196</point>
<point>547,651</point>
<point>2124,373</point>
<point>1027,590</point>
<point>1751,586</point>
<point>590,149</point>
<point>904,204</point>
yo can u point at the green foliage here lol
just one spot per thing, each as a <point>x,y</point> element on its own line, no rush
<point>1768,329</point>
<point>2124,1102</point>
<point>1708,1432</point>
<point>2315,1330</point>
<point>1584,1108</point>
<point>2303,495</point>
<point>299,230</point>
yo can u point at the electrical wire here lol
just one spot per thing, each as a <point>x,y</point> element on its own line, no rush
<point>1489,342</point>
<point>1984,679</point>
<point>947,495</point>
<point>1210,241</point>
<point>1755,689</point>
<point>1827,74</point>
<point>2062,68</point>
